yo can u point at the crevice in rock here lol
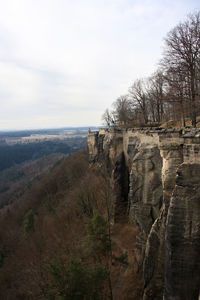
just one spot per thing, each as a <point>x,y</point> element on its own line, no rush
<point>121,188</point>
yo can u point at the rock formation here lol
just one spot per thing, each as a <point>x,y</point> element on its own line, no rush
<point>182,259</point>
<point>164,208</point>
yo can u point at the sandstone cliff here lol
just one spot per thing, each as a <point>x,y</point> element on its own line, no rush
<point>155,175</point>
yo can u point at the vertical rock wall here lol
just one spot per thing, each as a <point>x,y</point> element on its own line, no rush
<point>145,196</point>
<point>143,163</point>
<point>182,263</point>
<point>172,157</point>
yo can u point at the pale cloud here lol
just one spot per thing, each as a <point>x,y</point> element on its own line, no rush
<point>18,85</point>
<point>65,61</point>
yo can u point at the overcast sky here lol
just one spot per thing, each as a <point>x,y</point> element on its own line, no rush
<point>63,62</point>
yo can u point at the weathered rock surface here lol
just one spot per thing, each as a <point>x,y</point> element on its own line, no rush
<point>182,263</point>
<point>145,195</point>
<point>143,163</point>
<point>121,188</point>
<point>172,155</point>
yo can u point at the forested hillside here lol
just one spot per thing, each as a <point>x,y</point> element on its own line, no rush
<point>26,155</point>
<point>21,152</point>
<point>58,241</point>
<point>14,181</point>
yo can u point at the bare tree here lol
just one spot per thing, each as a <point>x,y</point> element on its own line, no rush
<point>156,95</point>
<point>122,110</point>
<point>178,95</point>
<point>139,97</point>
<point>107,117</point>
<point>182,54</point>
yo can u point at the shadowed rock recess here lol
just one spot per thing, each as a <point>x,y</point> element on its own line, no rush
<point>156,180</point>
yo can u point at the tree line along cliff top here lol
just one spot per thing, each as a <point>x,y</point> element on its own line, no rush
<point>171,95</point>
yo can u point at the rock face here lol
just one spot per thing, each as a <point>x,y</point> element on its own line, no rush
<point>143,164</point>
<point>172,155</point>
<point>145,195</point>
<point>182,263</point>
<point>121,187</point>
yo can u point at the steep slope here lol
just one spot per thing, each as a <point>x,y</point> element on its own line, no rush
<point>49,223</point>
<point>16,179</point>
<point>23,275</point>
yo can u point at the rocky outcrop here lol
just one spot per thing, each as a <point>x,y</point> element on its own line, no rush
<point>145,195</point>
<point>172,157</point>
<point>182,259</point>
<point>143,163</point>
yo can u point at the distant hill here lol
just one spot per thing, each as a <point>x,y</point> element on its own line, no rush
<point>14,181</point>
<point>23,158</point>
<point>18,150</point>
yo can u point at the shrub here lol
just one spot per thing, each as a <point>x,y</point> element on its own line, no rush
<point>98,239</point>
<point>75,281</point>
<point>28,222</point>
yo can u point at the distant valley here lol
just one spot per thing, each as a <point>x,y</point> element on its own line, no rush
<point>25,156</point>
<point>39,135</point>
